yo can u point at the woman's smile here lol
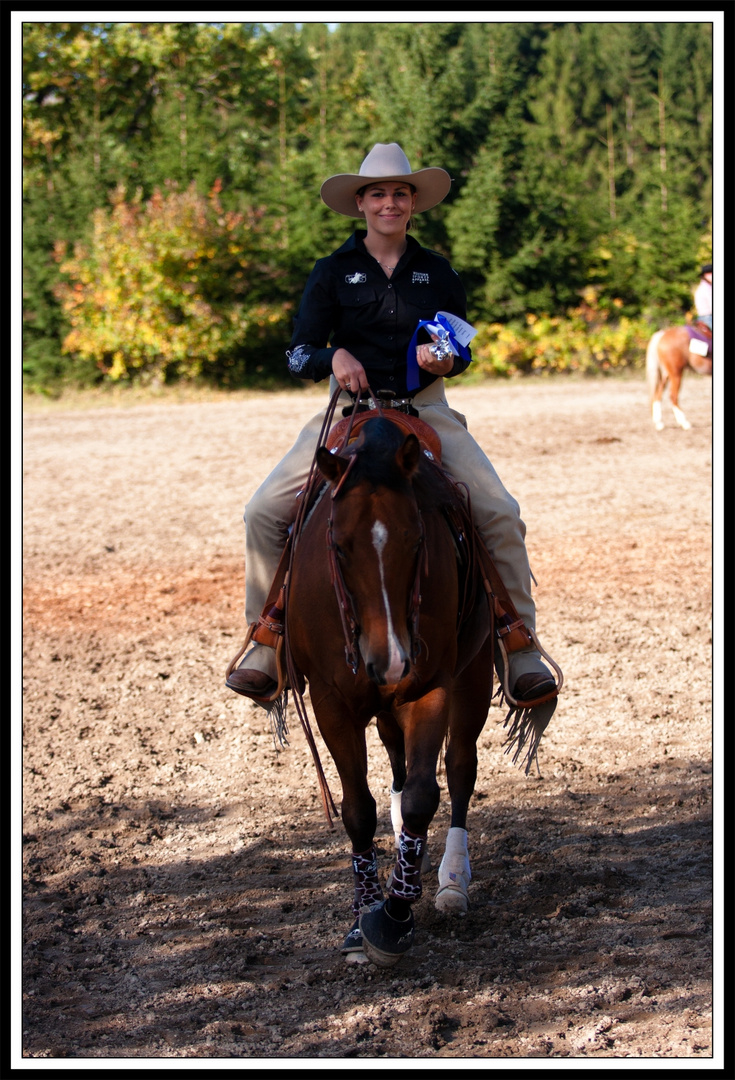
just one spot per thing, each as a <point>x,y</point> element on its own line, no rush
<point>386,204</point>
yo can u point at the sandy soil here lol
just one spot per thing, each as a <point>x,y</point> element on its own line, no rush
<point>183,895</point>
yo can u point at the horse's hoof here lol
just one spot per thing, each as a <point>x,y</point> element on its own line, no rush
<point>353,942</point>
<point>385,939</point>
<point>452,899</point>
<point>352,946</point>
<point>357,957</point>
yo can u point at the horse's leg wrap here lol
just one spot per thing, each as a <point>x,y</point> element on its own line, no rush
<point>454,873</point>
<point>406,880</point>
<point>367,887</point>
<point>456,861</point>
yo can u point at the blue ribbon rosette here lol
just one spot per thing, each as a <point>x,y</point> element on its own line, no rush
<point>454,336</point>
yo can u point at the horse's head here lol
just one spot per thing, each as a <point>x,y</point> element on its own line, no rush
<point>375,540</point>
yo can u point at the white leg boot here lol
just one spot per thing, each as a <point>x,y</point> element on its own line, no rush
<point>454,874</point>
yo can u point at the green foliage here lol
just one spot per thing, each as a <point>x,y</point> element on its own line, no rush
<point>581,157</point>
<point>586,340</point>
<point>166,288</point>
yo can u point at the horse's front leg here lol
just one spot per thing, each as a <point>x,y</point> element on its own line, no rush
<point>470,702</point>
<point>346,743</point>
<point>388,930</point>
<point>392,739</point>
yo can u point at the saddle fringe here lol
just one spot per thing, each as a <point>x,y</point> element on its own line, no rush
<point>276,713</point>
<point>527,725</point>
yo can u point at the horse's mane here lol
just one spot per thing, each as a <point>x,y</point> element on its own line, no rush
<point>376,450</point>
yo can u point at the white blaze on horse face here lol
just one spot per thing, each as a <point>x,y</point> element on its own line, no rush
<point>396,659</point>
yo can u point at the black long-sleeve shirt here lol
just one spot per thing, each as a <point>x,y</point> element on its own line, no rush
<point>350,303</point>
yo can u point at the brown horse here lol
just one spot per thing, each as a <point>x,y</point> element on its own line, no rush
<point>377,546</point>
<point>668,354</point>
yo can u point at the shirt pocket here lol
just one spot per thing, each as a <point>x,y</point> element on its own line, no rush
<point>356,296</point>
<point>421,300</point>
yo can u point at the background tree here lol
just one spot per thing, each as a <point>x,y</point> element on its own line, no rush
<point>581,158</point>
<point>168,288</point>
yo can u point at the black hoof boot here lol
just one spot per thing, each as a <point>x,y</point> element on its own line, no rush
<point>385,939</point>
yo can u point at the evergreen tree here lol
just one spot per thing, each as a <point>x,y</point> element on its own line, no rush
<point>580,153</point>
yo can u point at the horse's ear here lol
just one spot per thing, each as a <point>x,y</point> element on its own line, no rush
<point>409,455</point>
<point>331,466</point>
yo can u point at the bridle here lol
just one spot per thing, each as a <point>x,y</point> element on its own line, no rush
<point>349,622</point>
<point>345,602</point>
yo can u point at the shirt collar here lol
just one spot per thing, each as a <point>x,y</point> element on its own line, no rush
<point>356,242</point>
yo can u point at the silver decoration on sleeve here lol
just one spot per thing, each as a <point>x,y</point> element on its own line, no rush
<point>298,358</point>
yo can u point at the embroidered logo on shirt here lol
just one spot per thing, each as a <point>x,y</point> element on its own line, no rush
<point>421,279</point>
<point>355,279</point>
<point>298,359</point>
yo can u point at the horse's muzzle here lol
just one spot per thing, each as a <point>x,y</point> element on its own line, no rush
<point>382,677</point>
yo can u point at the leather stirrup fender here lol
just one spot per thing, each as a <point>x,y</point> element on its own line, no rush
<point>271,626</point>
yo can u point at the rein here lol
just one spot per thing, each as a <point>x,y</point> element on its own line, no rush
<point>293,676</point>
<point>350,626</point>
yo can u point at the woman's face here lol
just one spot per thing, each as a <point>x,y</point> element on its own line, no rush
<point>387,207</point>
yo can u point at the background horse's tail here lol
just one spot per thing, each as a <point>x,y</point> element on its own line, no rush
<point>653,369</point>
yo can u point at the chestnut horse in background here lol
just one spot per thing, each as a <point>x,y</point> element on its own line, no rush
<point>668,354</point>
<point>375,546</point>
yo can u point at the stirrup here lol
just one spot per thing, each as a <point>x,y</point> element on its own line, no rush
<point>281,678</point>
<point>506,671</point>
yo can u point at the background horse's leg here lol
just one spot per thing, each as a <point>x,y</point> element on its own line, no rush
<point>656,379</point>
<point>674,388</point>
<point>470,702</point>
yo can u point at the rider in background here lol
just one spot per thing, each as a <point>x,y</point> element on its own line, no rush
<point>703,296</point>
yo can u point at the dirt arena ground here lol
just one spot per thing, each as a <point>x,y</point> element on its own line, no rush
<point>183,894</point>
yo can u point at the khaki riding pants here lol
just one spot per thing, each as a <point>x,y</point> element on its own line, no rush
<point>272,509</point>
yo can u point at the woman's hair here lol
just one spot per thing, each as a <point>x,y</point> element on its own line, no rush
<point>361,191</point>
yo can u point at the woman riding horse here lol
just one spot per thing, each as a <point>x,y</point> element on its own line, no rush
<point>357,317</point>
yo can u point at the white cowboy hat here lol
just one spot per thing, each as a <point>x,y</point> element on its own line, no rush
<point>386,161</point>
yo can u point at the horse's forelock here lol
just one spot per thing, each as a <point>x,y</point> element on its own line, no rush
<point>376,448</point>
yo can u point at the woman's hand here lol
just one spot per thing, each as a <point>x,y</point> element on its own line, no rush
<point>431,363</point>
<point>349,372</point>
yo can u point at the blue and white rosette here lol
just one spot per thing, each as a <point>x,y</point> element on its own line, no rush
<point>454,336</point>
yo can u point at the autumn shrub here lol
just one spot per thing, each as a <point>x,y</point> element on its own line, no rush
<point>164,288</point>
<point>588,339</point>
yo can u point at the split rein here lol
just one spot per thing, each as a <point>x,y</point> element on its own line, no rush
<point>349,622</point>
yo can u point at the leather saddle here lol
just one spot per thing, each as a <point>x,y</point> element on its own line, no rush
<point>411,425</point>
